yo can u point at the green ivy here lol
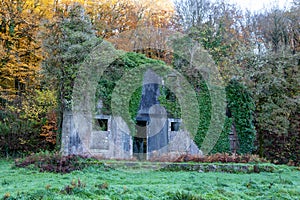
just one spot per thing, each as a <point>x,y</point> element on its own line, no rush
<point>205,107</point>
<point>170,102</point>
<point>239,101</point>
<point>242,107</point>
<point>134,103</point>
<point>114,73</point>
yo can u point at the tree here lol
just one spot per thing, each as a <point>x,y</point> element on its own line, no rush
<point>217,27</point>
<point>128,24</point>
<point>145,27</point>
<point>192,13</point>
<point>274,81</point>
<point>20,53</point>
<point>271,66</point>
<point>27,108</point>
<point>114,17</point>
<point>294,26</point>
<point>69,39</point>
<point>275,29</point>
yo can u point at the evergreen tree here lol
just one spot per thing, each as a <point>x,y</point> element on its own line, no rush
<point>68,41</point>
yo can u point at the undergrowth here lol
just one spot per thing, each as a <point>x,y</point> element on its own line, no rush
<point>53,162</point>
<point>218,157</point>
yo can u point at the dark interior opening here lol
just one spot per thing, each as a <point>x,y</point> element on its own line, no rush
<point>175,126</point>
<point>140,140</point>
<point>102,124</point>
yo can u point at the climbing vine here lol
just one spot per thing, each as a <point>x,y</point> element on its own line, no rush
<point>242,107</point>
<point>113,73</point>
<point>239,102</point>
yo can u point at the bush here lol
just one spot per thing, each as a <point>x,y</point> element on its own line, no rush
<point>19,136</point>
<point>221,157</point>
<point>52,162</point>
<point>28,124</point>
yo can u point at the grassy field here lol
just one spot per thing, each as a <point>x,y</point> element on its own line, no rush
<point>98,182</point>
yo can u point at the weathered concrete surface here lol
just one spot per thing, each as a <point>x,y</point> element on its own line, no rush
<point>159,136</point>
<point>150,94</point>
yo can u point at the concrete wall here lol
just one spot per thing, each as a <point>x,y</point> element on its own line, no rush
<point>81,136</point>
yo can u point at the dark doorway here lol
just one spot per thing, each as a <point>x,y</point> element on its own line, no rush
<point>102,124</point>
<point>175,126</point>
<point>140,141</point>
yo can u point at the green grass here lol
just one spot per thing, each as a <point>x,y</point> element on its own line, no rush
<point>97,182</point>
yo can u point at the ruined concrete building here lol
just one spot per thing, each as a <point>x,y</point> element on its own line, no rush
<point>109,137</point>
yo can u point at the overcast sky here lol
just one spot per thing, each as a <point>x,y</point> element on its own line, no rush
<point>257,5</point>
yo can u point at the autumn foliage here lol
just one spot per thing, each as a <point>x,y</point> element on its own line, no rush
<point>20,52</point>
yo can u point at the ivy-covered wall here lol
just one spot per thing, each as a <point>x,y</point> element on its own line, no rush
<point>239,102</point>
<point>241,106</point>
<point>114,73</point>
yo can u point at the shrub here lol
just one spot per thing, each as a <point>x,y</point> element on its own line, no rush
<point>220,157</point>
<point>52,162</point>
